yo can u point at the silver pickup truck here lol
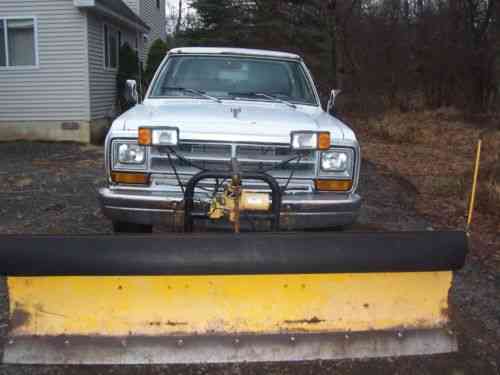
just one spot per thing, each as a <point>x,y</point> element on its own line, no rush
<point>228,135</point>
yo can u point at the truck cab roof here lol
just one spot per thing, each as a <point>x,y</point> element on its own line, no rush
<point>234,51</point>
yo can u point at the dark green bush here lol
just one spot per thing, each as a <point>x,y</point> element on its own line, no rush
<point>156,54</point>
<point>129,68</point>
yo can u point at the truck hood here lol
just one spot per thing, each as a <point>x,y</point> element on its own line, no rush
<point>233,121</point>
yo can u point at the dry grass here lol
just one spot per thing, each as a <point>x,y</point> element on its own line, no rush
<point>489,187</point>
<point>435,151</point>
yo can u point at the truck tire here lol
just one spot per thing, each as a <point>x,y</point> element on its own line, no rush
<point>122,227</point>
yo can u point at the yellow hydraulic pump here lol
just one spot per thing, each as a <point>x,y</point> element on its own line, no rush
<point>226,203</point>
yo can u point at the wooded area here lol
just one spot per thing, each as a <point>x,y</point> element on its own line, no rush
<point>409,54</point>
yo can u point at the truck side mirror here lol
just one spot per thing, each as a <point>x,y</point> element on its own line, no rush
<point>331,102</point>
<point>131,94</point>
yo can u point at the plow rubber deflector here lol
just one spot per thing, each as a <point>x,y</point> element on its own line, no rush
<point>226,298</point>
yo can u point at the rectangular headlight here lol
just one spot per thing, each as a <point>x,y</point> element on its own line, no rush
<point>310,140</point>
<point>335,161</point>
<point>163,136</point>
<point>131,153</point>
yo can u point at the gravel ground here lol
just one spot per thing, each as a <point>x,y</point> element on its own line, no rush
<point>51,188</point>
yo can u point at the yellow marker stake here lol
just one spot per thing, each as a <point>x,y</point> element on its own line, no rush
<point>474,185</point>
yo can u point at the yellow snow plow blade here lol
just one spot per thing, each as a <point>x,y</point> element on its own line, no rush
<point>216,315</point>
<point>163,305</point>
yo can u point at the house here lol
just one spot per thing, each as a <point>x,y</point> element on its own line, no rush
<point>59,59</point>
<point>156,20</point>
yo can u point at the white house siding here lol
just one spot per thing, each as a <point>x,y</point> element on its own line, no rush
<point>133,4</point>
<point>156,20</point>
<point>102,79</point>
<point>56,90</point>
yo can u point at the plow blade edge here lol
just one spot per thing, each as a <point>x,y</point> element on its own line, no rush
<point>224,298</point>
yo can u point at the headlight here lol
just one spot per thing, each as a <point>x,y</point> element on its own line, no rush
<point>164,136</point>
<point>309,140</point>
<point>335,161</point>
<point>130,153</point>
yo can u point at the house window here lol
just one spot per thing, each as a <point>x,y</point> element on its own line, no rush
<point>112,39</point>
<point>3,57</point>
<point>18,42</point>
<point>158,4</point>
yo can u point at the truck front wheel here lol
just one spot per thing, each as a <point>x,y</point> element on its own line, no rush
<point>122,227</point>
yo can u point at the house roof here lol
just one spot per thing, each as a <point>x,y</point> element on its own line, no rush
<point>235,51</point>
<point>116,9</point>
<point>121,8</point>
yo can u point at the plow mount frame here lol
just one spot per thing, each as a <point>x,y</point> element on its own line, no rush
<point>236,175</point>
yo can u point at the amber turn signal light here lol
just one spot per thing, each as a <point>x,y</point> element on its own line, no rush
<point>130,178</point>
<point>324,140</point>
<point>333,185</point>
<point>145,136</point>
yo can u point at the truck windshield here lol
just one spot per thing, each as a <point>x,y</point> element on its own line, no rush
<point>237,78</point>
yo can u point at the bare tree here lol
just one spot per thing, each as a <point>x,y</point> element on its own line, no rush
<point>387,52</point>
<point>179,18</point>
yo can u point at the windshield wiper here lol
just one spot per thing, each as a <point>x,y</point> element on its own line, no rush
<point>264,95</point>
<point>273,97</point>
<point>194,91</point>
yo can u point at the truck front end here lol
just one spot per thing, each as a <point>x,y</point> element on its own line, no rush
<point>209,110</point>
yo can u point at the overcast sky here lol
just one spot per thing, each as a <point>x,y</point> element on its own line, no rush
<point>175,3</point>
<point>171,10</point>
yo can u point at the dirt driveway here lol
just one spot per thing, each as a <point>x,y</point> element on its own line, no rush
<point>51,188</point>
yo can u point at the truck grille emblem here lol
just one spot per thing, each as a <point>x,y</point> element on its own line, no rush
<point>235,112</point>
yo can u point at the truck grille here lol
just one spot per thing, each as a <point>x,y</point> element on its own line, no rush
<point>217,156</point>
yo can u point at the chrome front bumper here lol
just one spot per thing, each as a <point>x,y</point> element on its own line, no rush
<point>299,211</point>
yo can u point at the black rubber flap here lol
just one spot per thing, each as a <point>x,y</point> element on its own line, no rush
<point>230,254</point>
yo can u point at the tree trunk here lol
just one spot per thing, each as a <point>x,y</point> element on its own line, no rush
<point>179,19</point>
<point>333,37</point>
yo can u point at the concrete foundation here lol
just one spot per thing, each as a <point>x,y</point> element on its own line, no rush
<point>99,129</point>
<point>71,131</point>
